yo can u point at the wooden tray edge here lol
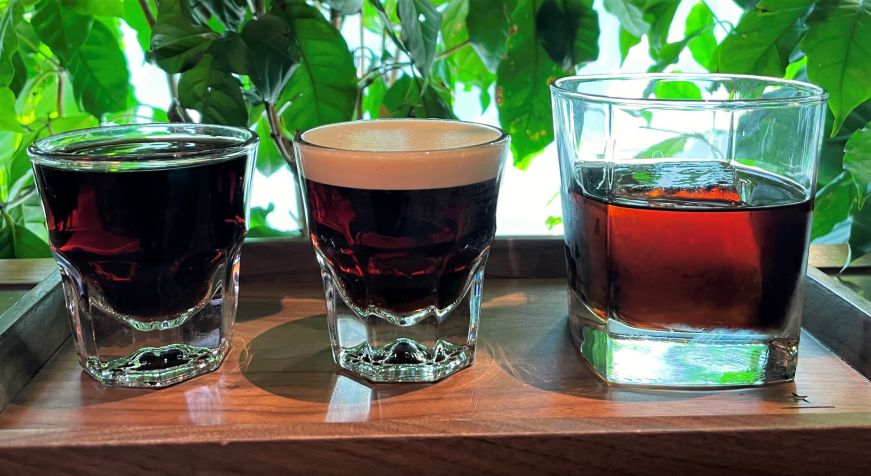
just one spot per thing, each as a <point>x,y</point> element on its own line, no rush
<point>31,331</point>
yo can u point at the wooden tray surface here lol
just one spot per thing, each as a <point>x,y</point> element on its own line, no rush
<point>527,406</point>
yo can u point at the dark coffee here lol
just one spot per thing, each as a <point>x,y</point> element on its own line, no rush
<point>402,250</point>
<point>146,239</point>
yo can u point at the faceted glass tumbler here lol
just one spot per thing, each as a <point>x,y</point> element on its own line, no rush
<point>687,206</point>
<point>146,223</point>
<point>401,215</point>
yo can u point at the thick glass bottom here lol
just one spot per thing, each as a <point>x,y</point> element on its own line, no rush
<point>641,357</point>
<point>157,366</point>
<point>424,347</point>
<point>153,351</point>
<point>405,360</point>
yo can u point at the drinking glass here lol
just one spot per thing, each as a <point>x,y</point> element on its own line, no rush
<point>401,214</point>
<point>146,224</point>
<point>687,208</point>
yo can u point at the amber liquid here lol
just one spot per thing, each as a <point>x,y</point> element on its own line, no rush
<point>687,259</point>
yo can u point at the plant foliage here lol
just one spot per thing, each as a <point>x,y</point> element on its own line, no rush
<point>282,66</point>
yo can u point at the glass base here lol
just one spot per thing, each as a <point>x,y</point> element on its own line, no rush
<point>157,366</point>
<point>424,347</point>
<point>405,360</point>
<point>154,351</point>
<point>643,357</point>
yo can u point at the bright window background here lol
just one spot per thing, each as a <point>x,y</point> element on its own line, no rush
<point>528,196</point>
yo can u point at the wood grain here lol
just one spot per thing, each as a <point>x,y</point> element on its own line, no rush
<point>31,330</point>
<point>25,271</point>
<point>839,318</point>
<point>527,405</point>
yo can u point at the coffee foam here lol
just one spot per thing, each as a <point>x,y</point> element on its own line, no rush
<point>401,154</point>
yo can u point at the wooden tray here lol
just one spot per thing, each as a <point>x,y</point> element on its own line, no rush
<point>527,406</point>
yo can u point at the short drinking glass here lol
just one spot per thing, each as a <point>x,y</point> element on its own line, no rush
<point>401,214</point>
<point>146,223</point>
<point>687,208</point>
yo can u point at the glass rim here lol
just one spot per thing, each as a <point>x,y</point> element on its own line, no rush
<point>502,138</point>
<point>812,94</point>
<point>53,150</point>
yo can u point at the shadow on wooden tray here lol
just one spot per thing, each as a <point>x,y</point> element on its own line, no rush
<point>294,360</point>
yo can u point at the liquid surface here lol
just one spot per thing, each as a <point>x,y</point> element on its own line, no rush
<point>146,241</point>
<point>654,258</point>
<point>402,250</point>
<point>401,135</point>
<point>402,154</point>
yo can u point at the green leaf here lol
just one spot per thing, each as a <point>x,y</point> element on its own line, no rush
<point>420,29</point>
<point>667,148</point>
<point>630,14</point>
<point>231,13</point>
<point>832,205</point>
<point>860,231</point>
<point>839,58</point>
<point>135,18</point>
<point>857,161</point>
<point>258,226</point>
<point>764,38</point>
<point>273,56</point>
<point>522,88</point>
<point>626,41</point>
<point>9,41</point>
<point>21,73</point>
<point>113,8</point>
<point>346,7</point>
<point>269,158</point>
<point>700,23</point>
<point>214,93</point>
<point>28,244</point>
<point>98,71</point>
<point>488,30</point>
<point>553,221</point>
<point>62,29</point>
<point>231,54</point>
<point>8,119</point>
<point>177,44</point>
<point>677,90</point>
<point>659,14</point>
<point>323,89</point>
<point>406,99</point>
<point>464,64</point>
<point>568,30</point>
<point>373,96</point>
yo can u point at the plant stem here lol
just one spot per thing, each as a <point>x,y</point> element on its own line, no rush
<point>11,225</point>
<point>146,10</point>
<point>259,8</point>
<point>173,92</point>
<point>336,18</point>
<point>451,50</point>
<point>60,93</point>
<point>170,79</point>
<point>35,48</point>
<point>360,69</point>
<point>373,73</point>
<point>19,200</point>
<point>275,132</point>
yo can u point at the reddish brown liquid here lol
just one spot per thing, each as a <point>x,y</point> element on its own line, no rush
<point>679,268</point>
<point>147,240</point>
<point>402,250</point>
